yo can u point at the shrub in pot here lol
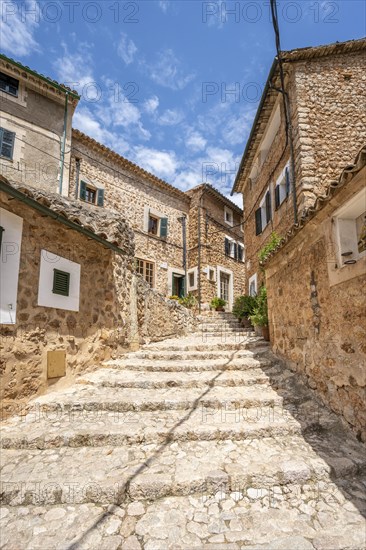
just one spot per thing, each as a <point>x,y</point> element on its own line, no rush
<point>259,317</point>
<point>217,303</point>
<point>244,308</point>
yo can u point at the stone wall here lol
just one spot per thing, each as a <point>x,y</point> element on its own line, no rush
<point>117,310</point>
<point>129,193</point>
<point>317,324</point>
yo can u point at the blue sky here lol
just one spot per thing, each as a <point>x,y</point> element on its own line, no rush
<point>155,75</point>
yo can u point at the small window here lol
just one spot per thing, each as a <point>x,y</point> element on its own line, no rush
<point>153,225</point>
<point>61,282</point>
<point>8,84</point>
<point>91,194</point>
<point>211,275</point>
<point>240,252</point>
<point>231,248</point>
<point>146,270</point>
<point>229,217</point>
<point>263,214</point>
<point>191,279</point>
<point>6,143</point>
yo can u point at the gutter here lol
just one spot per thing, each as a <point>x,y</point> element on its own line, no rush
<point>258,113</point>
<point>57,217</point>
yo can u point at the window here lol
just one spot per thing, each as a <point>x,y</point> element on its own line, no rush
<point>146,270</point>
<point>263,214</point>
<point>61,282</point>
<point>153,225</point>
<point>282,189</point>
<point>6,143</point>
<point>211,275</point>
<point>193,278</point>
<point>233,249</point>
<point>91,194</point>
<point>228,215</point>
<point>8,84</point>
<point>11,232</point>
<point>350,230</point>
<point>252,284</point>
<point>241,252</point>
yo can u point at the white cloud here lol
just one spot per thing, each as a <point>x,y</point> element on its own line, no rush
<point>167,71</point>
<point>171,117</point>
<point>126,49</point>
<point>84,121</point>
<point>151,105</point>
<point>76,70</point>
<point>195,141</point>
<point>161,163</point>
<point>18,23</point>
<point>164,5</point>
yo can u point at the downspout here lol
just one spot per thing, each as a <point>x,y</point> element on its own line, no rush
<point>184,238</point>
<point>199,255</point>
<point>77,176</point>
<point>63,144</point>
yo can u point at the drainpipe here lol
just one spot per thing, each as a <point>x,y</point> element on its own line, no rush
<point>199,256</point>
<point>63,144</point>
<point>183,219</point>
<point>77,175</point>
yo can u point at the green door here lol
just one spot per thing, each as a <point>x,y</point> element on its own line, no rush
<point>178,285</point>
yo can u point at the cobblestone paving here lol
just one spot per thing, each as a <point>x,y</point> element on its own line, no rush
<point>202,442</point>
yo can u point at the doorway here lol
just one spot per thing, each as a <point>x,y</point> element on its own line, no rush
<point>225,289</point>
<point>178,285</point>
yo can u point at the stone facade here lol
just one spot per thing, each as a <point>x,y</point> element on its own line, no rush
<point>317,307</point>
<point>34,115</point>
<point>134,192</point>
<point>208,230</point>
<point>117,310</point>
<point>326,89</point>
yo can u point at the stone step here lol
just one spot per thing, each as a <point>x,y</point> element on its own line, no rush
<point>45,430</point>
<point>198,355</point>
<point>189,365</point>
<point>290,517</point>
<point>112,474</point>
<point>201,342</point>
<point>146,379</point>
<point>86,397</point>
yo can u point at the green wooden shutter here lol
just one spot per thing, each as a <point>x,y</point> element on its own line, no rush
<point>277,196</point>
<point>6,143</point>
<point>163,227</point>
<point>61,282</point>
<point>227,247</point>
<point>235,251</point>
<point>268,206</point>
<point>83,190</point>
<point>287,176</point>
<point>100,198</point>
<point>240,252</point>
<point>258,221</point>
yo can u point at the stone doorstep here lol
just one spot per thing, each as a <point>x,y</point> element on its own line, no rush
<point>108,475</point>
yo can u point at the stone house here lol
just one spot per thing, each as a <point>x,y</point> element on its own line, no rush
<point>70,297</point>
<point>35,127</point>
<point>215,247</point>
<point>326,89</point>
<point>316,281</point>
<point>156,211</point>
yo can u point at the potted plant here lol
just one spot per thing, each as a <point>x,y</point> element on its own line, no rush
<point>218,304</point>
<point>188,301</point>
<point>244,308</point>
<point>259,317</point>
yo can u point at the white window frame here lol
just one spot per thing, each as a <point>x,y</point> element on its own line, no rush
<point>262,206</point>
<point>194,271</point>
<point>345,230</point>
<point>253,279</point>
<point>231,215</point>
<point>232,242</point>
<point>281,182</point>
<point>46,298</point>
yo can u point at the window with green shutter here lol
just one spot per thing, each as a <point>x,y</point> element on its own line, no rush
<point>8,84</point>
<point>258,221</point>
<point>100,197</point>
<point>6,143</point>
<point>61,282</point>
<point>163,227</point>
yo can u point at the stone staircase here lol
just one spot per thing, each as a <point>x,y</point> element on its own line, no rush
<point>221,323</point>
<point>204,442</point>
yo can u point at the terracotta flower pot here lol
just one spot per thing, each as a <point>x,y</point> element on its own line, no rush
<point>265,332</point>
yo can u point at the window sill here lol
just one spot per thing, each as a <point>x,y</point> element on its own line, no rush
<point>7,159</point>
<point>345,273</point>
